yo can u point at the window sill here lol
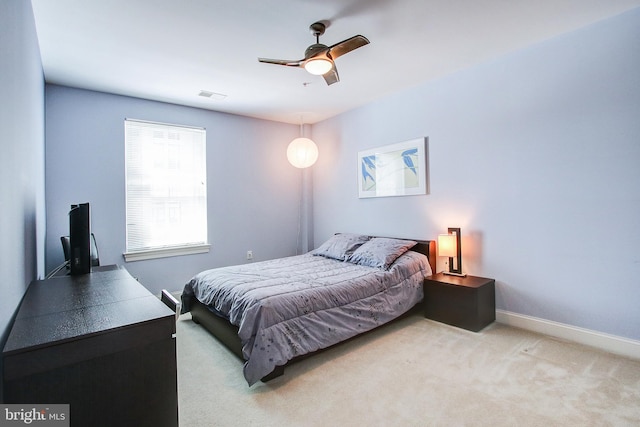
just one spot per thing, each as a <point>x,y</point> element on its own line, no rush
<point>165,252</point>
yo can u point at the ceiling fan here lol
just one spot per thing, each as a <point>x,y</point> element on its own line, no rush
<point>318,58</point>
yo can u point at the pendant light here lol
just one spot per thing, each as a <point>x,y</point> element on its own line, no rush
<point>302,152</point>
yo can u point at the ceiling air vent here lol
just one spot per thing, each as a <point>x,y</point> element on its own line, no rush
<point>212,95</point>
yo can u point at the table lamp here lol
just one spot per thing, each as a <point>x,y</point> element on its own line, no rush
<point>449,246</point>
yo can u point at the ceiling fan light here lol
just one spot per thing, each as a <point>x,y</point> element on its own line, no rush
<point>318,66</point>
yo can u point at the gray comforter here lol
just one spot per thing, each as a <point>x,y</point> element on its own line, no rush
<point>291,306</point>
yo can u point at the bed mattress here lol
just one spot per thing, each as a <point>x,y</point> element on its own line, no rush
<point>292,306</point>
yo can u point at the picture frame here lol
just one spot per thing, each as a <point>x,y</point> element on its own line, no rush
<point>393,170</point>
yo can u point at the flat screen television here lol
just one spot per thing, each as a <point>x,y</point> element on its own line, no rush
<point>79,239</point>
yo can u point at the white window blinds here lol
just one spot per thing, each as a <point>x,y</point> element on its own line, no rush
<point>166,189</point>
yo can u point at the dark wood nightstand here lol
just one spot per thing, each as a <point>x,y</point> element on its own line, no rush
<point>466,302</point>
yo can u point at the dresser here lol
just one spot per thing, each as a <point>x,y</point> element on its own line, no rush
<point>100,342</point>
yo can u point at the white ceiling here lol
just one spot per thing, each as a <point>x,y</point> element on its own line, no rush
<point>170,50</point>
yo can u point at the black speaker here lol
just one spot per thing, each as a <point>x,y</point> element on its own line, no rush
<point>79,239</point>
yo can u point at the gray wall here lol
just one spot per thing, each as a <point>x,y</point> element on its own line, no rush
<point>253,192</point>
<point>535,155</point>
<point>22,159</point>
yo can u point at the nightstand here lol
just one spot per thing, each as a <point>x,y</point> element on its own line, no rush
<point>466,302</point>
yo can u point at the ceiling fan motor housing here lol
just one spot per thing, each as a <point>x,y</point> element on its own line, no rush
<point>314,49</point>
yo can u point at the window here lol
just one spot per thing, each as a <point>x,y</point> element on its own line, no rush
<point>166,190</point>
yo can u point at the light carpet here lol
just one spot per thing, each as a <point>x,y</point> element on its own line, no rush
<point>413,372</point>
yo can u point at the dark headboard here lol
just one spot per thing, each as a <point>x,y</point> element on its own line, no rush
<point>428,248</point>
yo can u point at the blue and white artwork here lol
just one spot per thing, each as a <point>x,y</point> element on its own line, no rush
<point>393,170</point>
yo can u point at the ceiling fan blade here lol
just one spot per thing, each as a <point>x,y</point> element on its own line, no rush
<point>286,62</point>
<point>347,46</point>
<point>331,76</point>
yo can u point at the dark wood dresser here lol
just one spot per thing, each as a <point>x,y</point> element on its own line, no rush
<point>100,342</point>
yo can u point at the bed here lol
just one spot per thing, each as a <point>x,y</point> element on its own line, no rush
<point>274,312</point>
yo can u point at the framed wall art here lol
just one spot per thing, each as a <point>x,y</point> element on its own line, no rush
<point>393,170</point>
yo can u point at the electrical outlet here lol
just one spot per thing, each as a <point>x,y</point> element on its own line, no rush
<point>249,255</point>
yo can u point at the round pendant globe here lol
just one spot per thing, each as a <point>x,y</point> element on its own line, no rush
<point>302,152</point>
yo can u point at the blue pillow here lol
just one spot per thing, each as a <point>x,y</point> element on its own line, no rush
<point>340,246</point>
<point>381,252</point>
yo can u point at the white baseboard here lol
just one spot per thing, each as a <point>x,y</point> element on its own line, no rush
<point>611,343</point>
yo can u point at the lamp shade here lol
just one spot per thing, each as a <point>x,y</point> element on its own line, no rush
<point>302,152</point>
<point>318,66</point>
<point>447,245</point>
